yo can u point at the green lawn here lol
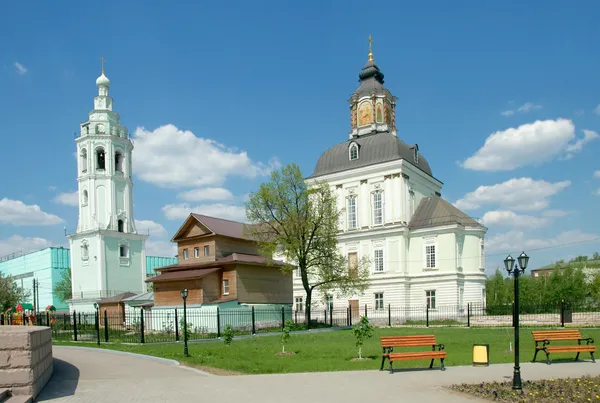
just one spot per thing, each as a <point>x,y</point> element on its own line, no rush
<point>333,351</point>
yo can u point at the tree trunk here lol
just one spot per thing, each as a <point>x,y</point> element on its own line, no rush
<point>307,308</point>
<point>360,353</point>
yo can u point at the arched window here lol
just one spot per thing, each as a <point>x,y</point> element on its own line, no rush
<point>84,199</point>
<point>83,160</point>
<point>353,151</point>
<point>118,162</point>
<point>85,252</point>
<point>379,113</point>
<point>123,250</point>
<point>120,225</point>
<point>100,160</point>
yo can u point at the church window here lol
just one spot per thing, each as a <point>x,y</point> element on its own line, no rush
<point>83,160</point>
<point>118,162</point>
<point>430,254</point>
<point>379,301</point>
<point>353,264</point>
<point>379,113</point>
<point>378,260</point>
<point>100,159</point>
<point>120,225</point>
<point>430,298</point>
<point>352,224</point>
<point>85,251</point>
<point>123,251</point>
<point>378,208</point>
<point>365,113</point>
<point>353,151</point>
<point>84,199</point>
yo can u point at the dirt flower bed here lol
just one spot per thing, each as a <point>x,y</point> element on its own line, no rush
<point>584,389</point>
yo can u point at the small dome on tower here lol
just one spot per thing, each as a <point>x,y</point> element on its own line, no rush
<point>103,81</point>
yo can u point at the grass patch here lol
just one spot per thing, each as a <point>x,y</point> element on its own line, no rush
<point>584,389</point>
<point>334,350</point>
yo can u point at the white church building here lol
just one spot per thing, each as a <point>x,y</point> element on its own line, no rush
<point>107,253</point>
<point>423,251</point>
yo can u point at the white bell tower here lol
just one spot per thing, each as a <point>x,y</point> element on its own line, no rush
<point>107,254</point>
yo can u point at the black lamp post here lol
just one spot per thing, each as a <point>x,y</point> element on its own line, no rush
<point>184,294</point>
<point>97,306</point>
<point>516,271</point>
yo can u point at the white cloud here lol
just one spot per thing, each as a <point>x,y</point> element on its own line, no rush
<point>526,107</point>
<point>509,218</point>
<point>160,248</point>
<point>597,174</point>
<point>226,211</point>
<point>20,68</point>
<point>16,212</point>
<point>149,227</point>
<point>169,157</point>
<point>597,110</point>
<point>18,244</point>
<point>527,144</point>
<point>588,135</point>
<point>514,194</point>
<point>515,241</point>
<point>202,194</point>
<point>555,213</point>
<point>69,199</point>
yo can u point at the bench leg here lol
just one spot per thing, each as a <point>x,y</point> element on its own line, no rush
<point>391,368</point>
<point>535,355</point>
<point>593,359</point>
<point>431,365</point>
<point>577,357</point>
<point>443,367</point>
<point>382,362</point>
<point>548,358</point>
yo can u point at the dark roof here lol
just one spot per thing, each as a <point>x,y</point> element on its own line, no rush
<point>433,211</point>
<point>183,274</point>
<point>371,81</point>
<point>373,149</point>
<point>117,298</point>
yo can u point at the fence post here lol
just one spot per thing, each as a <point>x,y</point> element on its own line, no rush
<point>365,310</point>
<point>427,316</point>
<point>48,319</point>
<point>469,315</point>
<point>97,320</point>
<point>253,322</point>
<point>74,326</point>
<point>350,315</point>
<point>282,318</point>
<point>79,318</point>
<point>331,318</point>
<point>177,326</point>
<point>390,315</point>
<point>1,319</point>
<point>562,313</point>
<point>218,323</point>
<point>105,326</point>
<point>142,325</point>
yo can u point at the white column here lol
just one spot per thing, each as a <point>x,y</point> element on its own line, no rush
<point>364,205</point>
<point>405,204</point>
<point>388,201</point>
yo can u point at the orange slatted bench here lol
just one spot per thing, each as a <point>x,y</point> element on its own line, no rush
<point>543,338</point>
<point>389,343</point>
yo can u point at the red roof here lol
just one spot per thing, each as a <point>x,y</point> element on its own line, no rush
<point>220,226</point>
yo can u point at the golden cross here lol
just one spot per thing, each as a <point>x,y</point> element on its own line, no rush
<point>370,47</point>
<point>102,58</point>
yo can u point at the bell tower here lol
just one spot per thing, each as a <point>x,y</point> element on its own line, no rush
<point>107,253</point>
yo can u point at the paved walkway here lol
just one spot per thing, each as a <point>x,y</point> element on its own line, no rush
<point>91,375</point>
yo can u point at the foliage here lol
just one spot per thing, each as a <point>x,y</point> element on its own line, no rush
<point>362,331</point>
<point>227,335</point>
<point>285,333</point>
<point>63,289</point>
<point>182,327</point>
<point>300,223</point>
<point>10,293</point>
<point>552,390</point>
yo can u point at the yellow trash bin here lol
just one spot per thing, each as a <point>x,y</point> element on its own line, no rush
<point>481,355</point>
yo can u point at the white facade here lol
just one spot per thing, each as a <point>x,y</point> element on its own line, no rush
<point>414,261</point>
<point>107,253</point>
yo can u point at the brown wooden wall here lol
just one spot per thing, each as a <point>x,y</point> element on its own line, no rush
<point>190,244</point>
<point>226,246</point>
<point>263,284</point>
<point>168,293</point>
<point>114,310</point>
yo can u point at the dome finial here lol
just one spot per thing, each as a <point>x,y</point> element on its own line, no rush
<point>370,48</point>
<point>102,59</point>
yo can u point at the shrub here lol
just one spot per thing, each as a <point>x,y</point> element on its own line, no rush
<point>228,335</point>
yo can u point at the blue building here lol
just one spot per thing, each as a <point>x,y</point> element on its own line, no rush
<point>46,267</point>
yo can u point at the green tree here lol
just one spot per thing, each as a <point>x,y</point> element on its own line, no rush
<point>497,290</point>
<point>362,331</point>
<point>300,222</point>
<point>63,289</point>
<point>567,285</point>
<point>596,256</point>
<point>285,333</point>
<point>228,335</point>
<point>10,293</point>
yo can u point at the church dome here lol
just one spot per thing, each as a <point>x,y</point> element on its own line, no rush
<point>103,81</point>
<point>373,149</point>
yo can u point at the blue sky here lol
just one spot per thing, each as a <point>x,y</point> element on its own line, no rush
<point>258,83</point>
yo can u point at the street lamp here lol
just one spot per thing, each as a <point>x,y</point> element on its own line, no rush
<point>516,271</point>
<point>184,294</point>
<point>97,306</point>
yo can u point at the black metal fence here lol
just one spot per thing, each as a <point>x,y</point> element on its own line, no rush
<point>167,325</point>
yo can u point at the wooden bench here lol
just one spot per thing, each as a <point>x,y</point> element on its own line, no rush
<point>543,338</point>
<point>388,343</point>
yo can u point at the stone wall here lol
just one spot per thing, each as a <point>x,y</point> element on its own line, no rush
<point>25,358</point>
